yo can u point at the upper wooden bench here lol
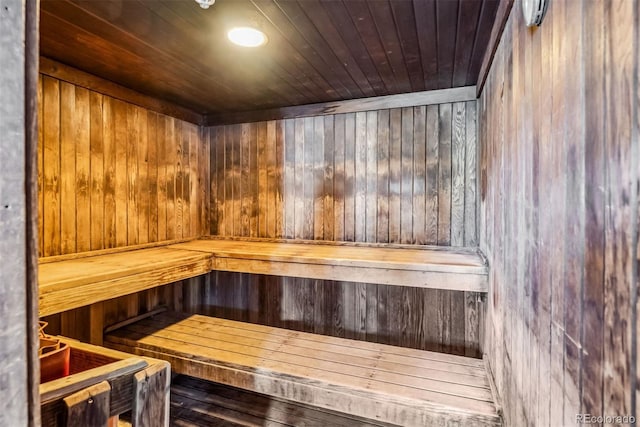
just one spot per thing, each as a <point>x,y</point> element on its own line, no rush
<point>72,281</point>
<point>384,383</point>
<point>68,282</point>
<point>462,269</point>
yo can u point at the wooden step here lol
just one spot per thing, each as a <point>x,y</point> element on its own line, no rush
<point>379,382</point>
<point>438,267</point>
<point>71,281</point>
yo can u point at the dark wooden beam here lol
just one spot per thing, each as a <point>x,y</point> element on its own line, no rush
<point>504,9</point>
<point>72,75</point>
<point>459,94</point>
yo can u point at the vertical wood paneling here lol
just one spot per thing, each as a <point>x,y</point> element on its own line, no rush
<point>419,175</point>
<point>152,162</point>
<point>360,167</point>
<point>329,176</point>
<point>318,178</point>
<point>97,171</point>
<point>67,168</point>
<point>289,179</point>
<point>339,177</point>
<point>397,175</point>
<point>271,180</point>
<point>382,187</point>
<point>559,212</point>
<point>82,139</point>
<point>109,167</point>
<point>349,177</point>
<point>404,175</point>
<point>162,177</point>
<point>51,159</point>
<point>113,174</point>
<point>371,209</point>
<point>432,167</point>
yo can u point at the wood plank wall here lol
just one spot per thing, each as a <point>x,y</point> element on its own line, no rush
<point>20,403</point>
<point>402,175</point>
<point>559,212</point>
<point>113,174</point>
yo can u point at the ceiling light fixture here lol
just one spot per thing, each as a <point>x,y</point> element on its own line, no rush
<point>247,37</point>
<point>205,3</point>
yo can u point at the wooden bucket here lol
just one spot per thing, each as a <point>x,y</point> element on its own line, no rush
<point>54,357</point>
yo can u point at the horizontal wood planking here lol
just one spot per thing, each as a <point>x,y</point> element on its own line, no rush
<point>364,372</point>
<point>79,78</point>
<point>559,212</point>
<point>323,307</point>
<point>430,97</point>
<point>461,269</point>
<point>114,174</point>
<point>327,307</point>
<point>318,51</point>
<point>75,283</point>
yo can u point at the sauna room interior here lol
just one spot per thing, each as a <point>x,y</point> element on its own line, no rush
<point>319,212</point>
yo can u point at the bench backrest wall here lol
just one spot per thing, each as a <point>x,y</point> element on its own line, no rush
<point>114,174</point>
<point>402,175</point>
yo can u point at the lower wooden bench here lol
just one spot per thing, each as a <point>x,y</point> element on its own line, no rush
<point>379,382</point>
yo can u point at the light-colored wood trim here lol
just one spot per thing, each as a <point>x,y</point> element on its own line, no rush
<point>74,76</point>
<point>435,248</point>
<point>441,268</point>
<point>381,276</point>
<point>79,255</point>
<point>459,94</point>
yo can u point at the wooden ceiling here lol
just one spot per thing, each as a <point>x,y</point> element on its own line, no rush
<point>318,50</point>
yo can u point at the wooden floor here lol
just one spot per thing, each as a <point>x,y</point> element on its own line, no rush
<point>200,403</point>
<point>392,384</point>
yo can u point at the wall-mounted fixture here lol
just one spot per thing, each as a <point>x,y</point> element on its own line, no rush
<point>205,3</point>
<point>247,37</point>
<point>533,11</point>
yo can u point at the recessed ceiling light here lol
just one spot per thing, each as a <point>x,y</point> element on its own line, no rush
<point>247,37</point>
